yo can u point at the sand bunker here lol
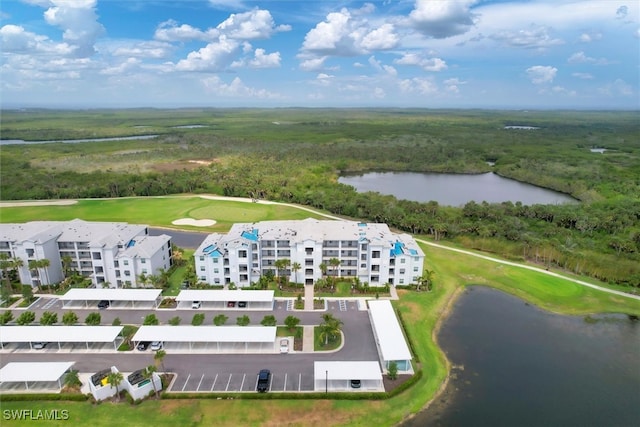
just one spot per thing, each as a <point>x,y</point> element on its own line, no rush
<point>194,222</point>
<point>38,203</point>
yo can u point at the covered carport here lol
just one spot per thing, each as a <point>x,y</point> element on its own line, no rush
<point>36,376</point>
<point>90,335</point>
<point>120,298</point>
<point>211,339</point>
<point>337,376</point>
<point>226,299</point>
<point>391,343</point>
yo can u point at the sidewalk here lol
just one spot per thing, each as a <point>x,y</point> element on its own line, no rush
<point>308,339</point>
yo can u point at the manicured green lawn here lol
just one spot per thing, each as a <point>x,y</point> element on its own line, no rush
<point>158,211</point>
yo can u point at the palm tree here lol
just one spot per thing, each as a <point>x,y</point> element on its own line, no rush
<point>295,267</point>
<point>5,265</point>
<point>159,358</point>
<point>335,263</point>
<point>323,268</point>
<point>18,263</point>
<point>44,264</point>
<point>330,327</point>
<point>72,380</point>
<point>66,265</point>
<point>426,280</point>
<point>35,266</point>
<point>115,379</point>
<point>148,374</point>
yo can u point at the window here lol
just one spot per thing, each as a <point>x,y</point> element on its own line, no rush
<point>402,271</point>
<point>127,282</point>
<point>415,269</point>
<point>127,273</point>
<point>363,265</point>
<point>125,262</point>
<point>202,258</point>
<point>30,253</point>
<point>116,264</point>
<point>204,278</point>
<point>215,260</point>
<point>375,279</point>
<point>143,261</point>
<point>401,281</point>
<point>202,268</point>
<point>375,254</point>
<point>402,260</point>
<point>415,258</point>
<point>96,255</point>
<point>144,271</point>
<point>216,270</point>
<point>242,254</point>
<point>363,257</point>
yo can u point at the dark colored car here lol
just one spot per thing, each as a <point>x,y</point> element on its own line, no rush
<point>242,304</point>
<point>355,383</point>
<point>231,304</point>
<point>143,345</point>
<point>103,304</point>
<point>264,378</point>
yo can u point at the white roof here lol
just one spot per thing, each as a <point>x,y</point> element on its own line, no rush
<point>33,371</point>
<point>234,334</point>
<point>59,333</point>
<point>96,294</point>
<point>347,370</point>
<point>389,334</point>
<point>224,295</point>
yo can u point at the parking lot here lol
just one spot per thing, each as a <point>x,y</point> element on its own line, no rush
<point>241,382</point>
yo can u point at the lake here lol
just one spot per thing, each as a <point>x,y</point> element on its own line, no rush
<point>521,366</point>
<point>453,189</point>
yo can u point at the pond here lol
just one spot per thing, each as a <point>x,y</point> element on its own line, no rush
<point>454,189</point>
<point>517,365</point>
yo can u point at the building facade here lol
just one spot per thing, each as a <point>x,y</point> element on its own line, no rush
<point>367,251</point>
<point>110,253</point>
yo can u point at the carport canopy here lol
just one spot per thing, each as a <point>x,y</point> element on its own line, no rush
<point>59,334</point>
<point>254,298</point>
<point>209,334</point>
<point>34,372</point>
<point>336,374</point>
<point>389,337</point>
<point>111,295</point>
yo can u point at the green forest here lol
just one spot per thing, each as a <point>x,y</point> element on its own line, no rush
<point>297,155</point>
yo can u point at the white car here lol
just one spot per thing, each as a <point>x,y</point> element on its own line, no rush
<point>156,345</point>
<point>284,346</point>
<point>196,304</point>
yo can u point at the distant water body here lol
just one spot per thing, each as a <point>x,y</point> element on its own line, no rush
<point>75,141</point>
<point>518,365</point>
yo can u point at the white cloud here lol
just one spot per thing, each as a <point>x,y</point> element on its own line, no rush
<point>265,60</point>
<point>441,19</point>
<point>345,33</point>
<point>418,85</point>
<point>532,38</point>
<point>582,58</point>
<point>169,31</point>
<point>453,85</point>
<point>387,69</point>
<point>590,37</point>
<point>427,64</point>
<point>79,22</point>
<point>313,64</point>
<point>235,89</point>
<point>583,76</point>
<point>540,74</point>
<point>617,87</point>
<point>255,24</point>
<point>563,91</point>
<point>124,67</point>
<point>213,57</point>
<point>138,48</point>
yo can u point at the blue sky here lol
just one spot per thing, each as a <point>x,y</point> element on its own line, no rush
<point>226,53</point>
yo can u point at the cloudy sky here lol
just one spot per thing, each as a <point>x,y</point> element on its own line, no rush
<point>392,53</point>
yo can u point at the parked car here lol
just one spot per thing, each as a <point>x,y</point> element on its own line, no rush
<point>143,345</point>
<point>157,345</point>
<point>264,378</point>
<point>39,345</point>
<point>103,304</point>
<point>284,346</point>
<point>196,304</point>
<point>231,304</point>
<point>242,304</point>
<point>355,383</point>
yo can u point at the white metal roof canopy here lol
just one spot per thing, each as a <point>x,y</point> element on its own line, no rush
<point>347,370</point>
<point>387,329</point>
<point>59,333</point>
<point>225,295</point>
<point>34,371</point>
<point>221,334</point>
<point>93,294</point>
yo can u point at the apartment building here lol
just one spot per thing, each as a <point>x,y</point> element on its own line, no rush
<point>106,252</point>
<point>368,251</point>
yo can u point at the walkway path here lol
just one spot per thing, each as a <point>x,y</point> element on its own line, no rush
<point>308,338</point>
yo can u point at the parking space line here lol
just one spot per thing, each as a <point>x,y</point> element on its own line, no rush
<point>299,382</point>
<point>185,383</point>
<point>285,382</point>
<point>228,382</point>
<point>214,382</point>
<point>242,384</point>
<point>200,383</point>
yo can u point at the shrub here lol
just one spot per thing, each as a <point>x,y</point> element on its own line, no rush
<point>198,319</point>
<point>269,320</point>
<point>93,319</point>
<point>243,320</point>
<point>175,321</point>
<point>26,318</point>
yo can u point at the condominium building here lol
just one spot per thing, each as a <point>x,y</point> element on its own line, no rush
<point>106,252</point>
<point>370,252</point>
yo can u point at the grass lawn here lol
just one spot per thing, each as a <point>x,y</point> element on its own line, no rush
<point>420,311</point>
<point>320,345</point>
<point>159,212</point>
